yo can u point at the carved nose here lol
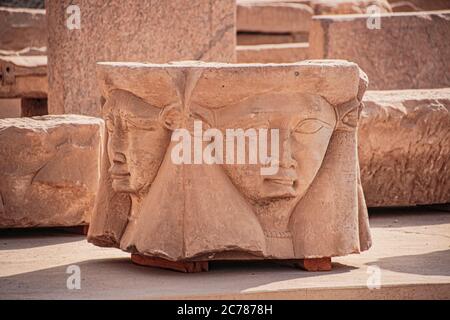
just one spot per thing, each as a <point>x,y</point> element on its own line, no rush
<point>286,160</point>
<point>119,158</point>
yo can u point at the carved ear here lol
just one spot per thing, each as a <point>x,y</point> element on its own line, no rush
<point>171,117</point>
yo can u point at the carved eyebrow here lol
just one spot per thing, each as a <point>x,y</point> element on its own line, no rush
<point>141,122</point>
<point>313,121</point>
<point>324,123</point>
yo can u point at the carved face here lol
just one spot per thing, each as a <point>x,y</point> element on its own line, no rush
<point>137,142</point>
<point>305,124</point>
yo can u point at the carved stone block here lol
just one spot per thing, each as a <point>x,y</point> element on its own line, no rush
<point>153,205</point>
<point>48,170</point>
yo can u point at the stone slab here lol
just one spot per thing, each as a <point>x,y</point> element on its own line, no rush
<point>21,28</point>
<point>273,17</point>
<point>324,7</point>
<point>409,51</point>
<point>23,76</point>
<point>419,5</point>
<point>404,147</point>
<point>272,53</point>
<point>130,31</point>
<point>410,248</point>
<point>49,170</point>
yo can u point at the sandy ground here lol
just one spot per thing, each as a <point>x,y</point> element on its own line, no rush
<point>411,249</point>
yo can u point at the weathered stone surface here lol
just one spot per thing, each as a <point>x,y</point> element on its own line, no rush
<point>154,31</point>
<point>23,76</point>
<point>48,170</point>
<point>404,147</point>
<point>272,53</point>
<point>10,108</point>
<point>410,51</point>
<point>419,5</point>
<point>311,207</point>
<point>348,6</point>
<point>273,17</point>
<point>22,28</point>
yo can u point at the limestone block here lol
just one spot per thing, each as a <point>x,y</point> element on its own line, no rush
<point>23,76</point>
<point>200,209</point>
<point>154,31</point>
<point>22,28</point>
<point>48,170</point>
<point>272,53</point>
<point>409,51</point>
<point>404,147</point>
<point>273,17</point>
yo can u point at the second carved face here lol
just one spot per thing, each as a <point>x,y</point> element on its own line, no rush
<point>305,124</point>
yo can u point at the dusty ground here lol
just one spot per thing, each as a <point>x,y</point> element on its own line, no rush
<point>411,248</point>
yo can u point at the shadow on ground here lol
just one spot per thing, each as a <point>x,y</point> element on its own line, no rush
<point>407,217</point>
<point>13,239</point>
<point>435,263</point>
<point>118,278</point>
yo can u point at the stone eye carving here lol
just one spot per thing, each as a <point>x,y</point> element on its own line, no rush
<point>310,126</point>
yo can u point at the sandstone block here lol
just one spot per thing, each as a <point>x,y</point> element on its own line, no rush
<point>409,51</point>
<point>22,28</point>
<point>272,53</point>
<point>419,5</point>
<point>324,7</point>
<point>48,170</point>
<point>23,77</point>
<point>404,147</point>
<point>153,205</point>
<point>154,31</point>
<point>273,17</point>
<point>10,108</point>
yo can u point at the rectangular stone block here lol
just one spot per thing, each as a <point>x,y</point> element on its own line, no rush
<point>272,53</point>
<point>23,76</point>
<point>195,210</point>
<point>49,170</point>
<point>323,7</point>
<point>419,5</point>
<point>154,31</point>
<point>409,51</point>
<point>273,17</point>
<point>404,147</point>
<point>22,28</point>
